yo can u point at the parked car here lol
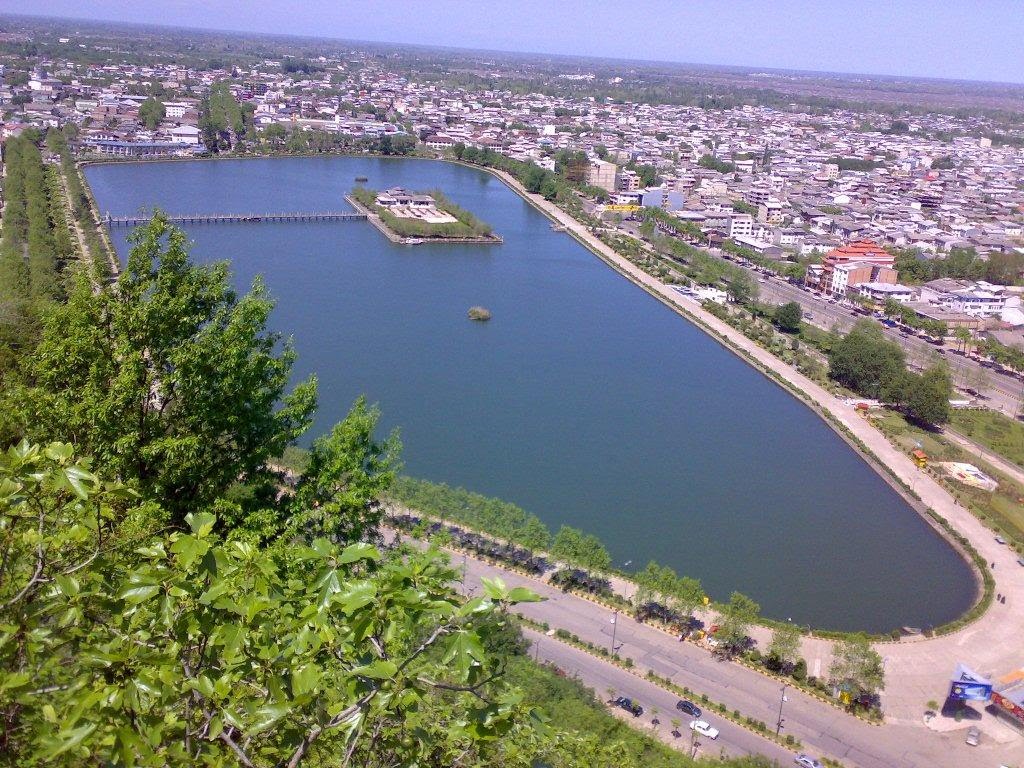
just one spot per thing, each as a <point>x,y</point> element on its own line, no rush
<point>1020,561</point>
<point>704,729</point>
<point>629,705</point>
<point>806,761</point>
<point>1000,540</point>
<point>688,707</point>
<point>973,736</point>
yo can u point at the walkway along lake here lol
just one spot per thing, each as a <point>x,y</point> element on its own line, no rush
<point>584,400</point>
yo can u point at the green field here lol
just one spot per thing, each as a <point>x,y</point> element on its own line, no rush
<point>999,433</point>
<point>1002,509</point>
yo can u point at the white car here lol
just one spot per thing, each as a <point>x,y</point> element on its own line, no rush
<point>704,729</point>
<point>806,761</point>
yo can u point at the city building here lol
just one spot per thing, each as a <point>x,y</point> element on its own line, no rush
<point>602,174</point>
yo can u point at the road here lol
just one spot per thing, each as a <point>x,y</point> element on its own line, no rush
<point>822,728</point>
<point>732,740</point>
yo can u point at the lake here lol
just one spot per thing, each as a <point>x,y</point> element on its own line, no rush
<point>584,400</point>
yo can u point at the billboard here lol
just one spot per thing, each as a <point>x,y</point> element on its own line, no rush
<point>968,686</point>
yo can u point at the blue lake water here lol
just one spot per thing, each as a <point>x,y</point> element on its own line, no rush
<point>584,399</point>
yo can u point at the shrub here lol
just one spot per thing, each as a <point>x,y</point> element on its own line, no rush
<point>800,670</point>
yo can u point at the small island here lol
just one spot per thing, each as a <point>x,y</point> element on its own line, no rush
<point>419,217</point>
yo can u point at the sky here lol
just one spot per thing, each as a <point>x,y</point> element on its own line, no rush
<point>957,39</point>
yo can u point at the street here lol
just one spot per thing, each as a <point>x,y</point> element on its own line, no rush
<point>733,740</point>
<point>822,728</point>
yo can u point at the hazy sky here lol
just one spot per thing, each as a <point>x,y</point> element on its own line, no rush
<point>964,39</point>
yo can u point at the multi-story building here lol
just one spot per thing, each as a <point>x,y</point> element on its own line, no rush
<point>770,212</point>
<point>602,174</point>
<point>978,299</point>
<point>740,225</point>
<point>850,265</point>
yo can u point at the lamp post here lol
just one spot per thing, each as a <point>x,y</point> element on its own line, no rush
<point>782,700</point>
<point>615,625</point>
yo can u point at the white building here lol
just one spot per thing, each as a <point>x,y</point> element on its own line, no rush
<point>879,292</point>
<point>978,299</point>
<point>741,225</point>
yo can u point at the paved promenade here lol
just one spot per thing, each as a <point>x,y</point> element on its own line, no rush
<point>916,671</point>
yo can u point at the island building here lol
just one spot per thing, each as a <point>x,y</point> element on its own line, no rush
<point>409,205</point>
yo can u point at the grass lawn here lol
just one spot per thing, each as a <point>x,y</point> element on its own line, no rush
<point>1002,509</point>
<point>999,433</point>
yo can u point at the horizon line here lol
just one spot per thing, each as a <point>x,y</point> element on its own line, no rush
<point>582,56</point>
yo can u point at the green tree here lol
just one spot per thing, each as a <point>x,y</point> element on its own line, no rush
<point>580,549</point>
<point>151,112</point>
<point>168,378</point>
<point>864,360</point>
<point>855,663</point>
<point>648,175</point>
<point>192,650</point>
<point>735,619</point>
<point>785,643</point>
<point>1004,268</point>
<point>788,317</point>
<point>929,394</point>
<point>742,288</point>
<point>348,472</point>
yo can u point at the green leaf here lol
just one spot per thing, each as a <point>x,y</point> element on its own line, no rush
<point>265,717</point>
<point>68,585</point>
<point>465,651</point>
<point>358,595</point>
<point>66,740</point>
<point>358,551</point>
<point>305,679</point>
<point>201,524</point>
<point>494,588</point>
<point>382,669</point>
<point>138,593</point>
<point>78,479</point>
<point>523,595</point>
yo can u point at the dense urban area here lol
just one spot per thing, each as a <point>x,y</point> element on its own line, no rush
<point>180,584</point>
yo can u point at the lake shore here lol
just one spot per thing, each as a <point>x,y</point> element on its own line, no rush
<point>917,670</point>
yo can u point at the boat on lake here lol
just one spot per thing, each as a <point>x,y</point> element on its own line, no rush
<point>361,179</point>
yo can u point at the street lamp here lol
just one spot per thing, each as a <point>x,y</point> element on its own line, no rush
<point>782,700</point>
<point>615,625</point>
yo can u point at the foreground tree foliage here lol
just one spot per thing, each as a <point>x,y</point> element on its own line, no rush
<point>193,650</point>
<point>168,378</point>
<point>349,470</point>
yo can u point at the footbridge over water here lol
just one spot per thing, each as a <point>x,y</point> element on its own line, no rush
<point>237,218</point>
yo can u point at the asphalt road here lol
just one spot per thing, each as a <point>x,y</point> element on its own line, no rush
<point>732,740</point>
<point>823,729</point>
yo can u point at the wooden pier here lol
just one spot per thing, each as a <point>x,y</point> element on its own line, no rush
<point>231,218</point>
